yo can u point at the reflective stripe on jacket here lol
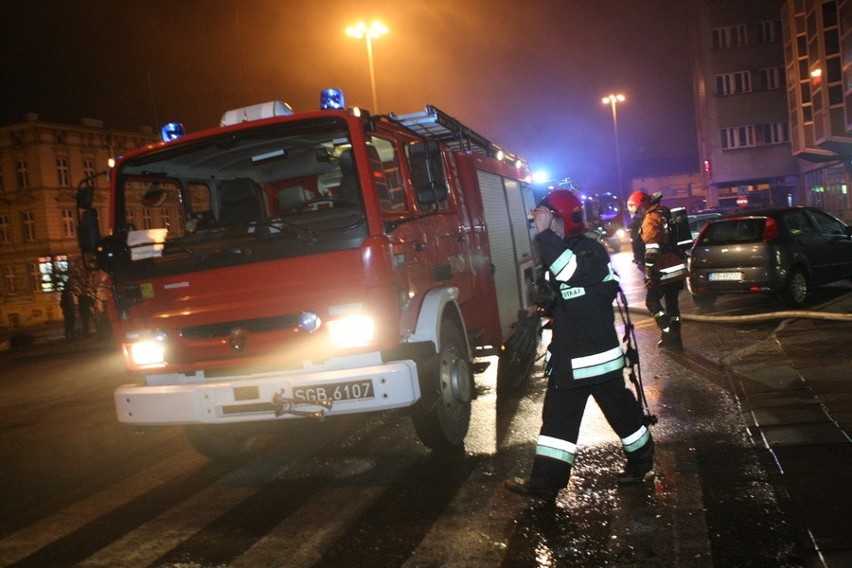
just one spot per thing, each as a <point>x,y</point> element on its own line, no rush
<point>585,348</point>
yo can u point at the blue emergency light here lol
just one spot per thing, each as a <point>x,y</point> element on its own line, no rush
<point>171,131</point>
<point>331,99</point>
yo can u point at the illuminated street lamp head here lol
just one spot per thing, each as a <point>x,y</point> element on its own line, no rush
<point>612,99</point>
<point>369,33</point>
<point>361,30</point>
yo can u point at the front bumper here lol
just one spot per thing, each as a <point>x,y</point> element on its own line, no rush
<point>252,398</point>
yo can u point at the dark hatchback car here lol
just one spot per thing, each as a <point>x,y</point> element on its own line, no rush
<point>780,251</point>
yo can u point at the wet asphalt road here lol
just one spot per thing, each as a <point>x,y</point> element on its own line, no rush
<point>77,489</point>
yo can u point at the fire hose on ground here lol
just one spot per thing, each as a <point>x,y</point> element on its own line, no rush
<point>784,314</point>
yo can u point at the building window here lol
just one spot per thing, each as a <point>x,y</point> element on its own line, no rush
<point>737,137</point>
<point>771,78</point>
<point>89,168</point>
<point>768,31</point>
<point>4,230</point>
<point>829,14</point>
<point>28,226</point>
<point>776,133</point>
<point>52,272</point>
<point>21,174</point>
<point>69,223</point>
<point>9,280</point>
<point>733,83</point>
<point>62,172</point>
<point>731,36</point>
<point>146,219</point>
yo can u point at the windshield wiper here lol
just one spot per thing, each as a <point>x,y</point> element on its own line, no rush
<point>303,234</point>
<point>195,255</point>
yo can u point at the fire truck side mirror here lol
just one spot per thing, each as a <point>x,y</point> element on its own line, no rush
<point>427,172</point>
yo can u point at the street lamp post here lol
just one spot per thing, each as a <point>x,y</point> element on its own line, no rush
<point>362,31</point>
<point>613,100</point>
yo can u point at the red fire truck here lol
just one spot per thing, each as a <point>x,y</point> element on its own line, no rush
<point>288,265</point>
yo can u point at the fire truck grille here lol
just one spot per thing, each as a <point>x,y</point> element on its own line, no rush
<point>255,325</point>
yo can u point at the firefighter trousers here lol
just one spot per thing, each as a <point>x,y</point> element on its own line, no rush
<point>562,414</point>
<point>670,294</point>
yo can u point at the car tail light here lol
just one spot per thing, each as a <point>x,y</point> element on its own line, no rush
<point>770,230</point>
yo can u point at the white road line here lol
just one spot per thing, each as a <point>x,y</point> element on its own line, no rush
<point>42,533</point>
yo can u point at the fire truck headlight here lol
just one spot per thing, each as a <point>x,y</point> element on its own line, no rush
<point>146,350</point>
<point>352,331</point>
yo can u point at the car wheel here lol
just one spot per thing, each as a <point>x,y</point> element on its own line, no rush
<point>796,289</point>
<point>704,301</point>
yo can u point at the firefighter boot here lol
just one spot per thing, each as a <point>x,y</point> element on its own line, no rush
<point>547,478</point>
<point>663,322</point>
<point>675,331</point>
<point>531,488</point>
<point>670,337</point>
<point>639,463</point>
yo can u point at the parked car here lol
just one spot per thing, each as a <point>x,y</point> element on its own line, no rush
<point>698,220</point>
<point>781,251</point>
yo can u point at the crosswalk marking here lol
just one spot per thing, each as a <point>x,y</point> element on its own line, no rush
<point>40,534</point>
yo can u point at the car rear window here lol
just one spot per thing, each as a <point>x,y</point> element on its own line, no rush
<point>733,231</point>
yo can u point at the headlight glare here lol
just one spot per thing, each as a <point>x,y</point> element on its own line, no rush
<point>147,349</point>
<point>352,331</point>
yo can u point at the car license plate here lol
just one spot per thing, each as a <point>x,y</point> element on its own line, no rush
<point>351,390</point>
<point>725,276</point>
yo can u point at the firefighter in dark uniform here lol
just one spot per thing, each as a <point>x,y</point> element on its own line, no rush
<point>584,358</point>
<point>637,204</point>
<point>665,268</point>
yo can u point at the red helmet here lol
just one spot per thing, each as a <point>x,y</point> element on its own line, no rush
<point>568,207</point>
<point>638,199</point>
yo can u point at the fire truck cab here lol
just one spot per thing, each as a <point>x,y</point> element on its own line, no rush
<point>287,265</point>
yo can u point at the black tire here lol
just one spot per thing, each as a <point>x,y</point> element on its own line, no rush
<point>704,301</point>
<point>223,442</point>
<point>443,423</point>
<point>796,289</point>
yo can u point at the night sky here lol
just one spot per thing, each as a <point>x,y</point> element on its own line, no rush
<point>527,74</point>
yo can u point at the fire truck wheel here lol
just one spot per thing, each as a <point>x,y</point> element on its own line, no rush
<point>222,442</point>
<point>444,424</point>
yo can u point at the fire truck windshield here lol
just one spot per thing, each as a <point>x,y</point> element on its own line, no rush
<point>276,190</point>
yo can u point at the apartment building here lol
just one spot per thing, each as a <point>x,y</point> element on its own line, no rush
<point>741,104</point>
<point>41,165</point>
<point>818,60</point>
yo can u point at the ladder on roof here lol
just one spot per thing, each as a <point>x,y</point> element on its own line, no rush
<point>435,124</point>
